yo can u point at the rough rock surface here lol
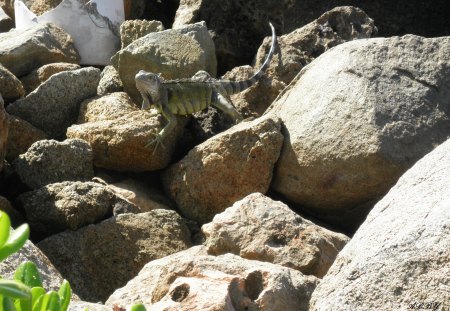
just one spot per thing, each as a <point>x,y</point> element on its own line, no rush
<point>69,205</point>
<point>39,7</point>
<point>224,169</point>
<point>51,278</point>
<point>259,228</point>
<point>120,144</point>
<point>21,136</point>
<point>109,81</point>
<point>170,52</point>
<point>108,107</point>
<point>50,161</point>
<point>236,27</point>
<point>4,127</point>
<point>38,76</point>
<point>22,51</point>
<point>356,118</point>
<point>399,256</point>
<point>83,306</point>
<point>10,87</point>
<point>54,105</point>
<point>178,282</point>
<point>126,242</point>
<point>131,30</point>
<point>138,193</point>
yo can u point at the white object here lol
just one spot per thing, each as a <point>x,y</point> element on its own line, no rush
<point>94,31</point>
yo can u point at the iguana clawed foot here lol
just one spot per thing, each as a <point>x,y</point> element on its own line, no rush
<point>157,141</point>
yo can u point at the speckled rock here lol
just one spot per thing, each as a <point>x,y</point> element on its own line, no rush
<point>10,87</point>
<point>224,169</point>
<point>4,127</point>
<point>109,81</point>
<point>21,136</point>
<point>120,144</point>
<point>358,117</point>
<point>131,30</point>
<point>259,228</point>
<point>69,205</point>
<point>50,161</point>
<point>191,280</point>
<point>398,258</point>
<point>24,50</point>
<point>38,76</point>
<point>108,107</point>
<point>126,242</point>
<point>174,53</point>
<point>54,105</point>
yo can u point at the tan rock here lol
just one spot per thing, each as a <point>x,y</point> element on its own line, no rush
<point>356,118</point>
<point>38,76</point>
<point>109,81</point>
<point>108,107</point>
<point>131,30</point>
<point>4,127</point>
<point>10,87</point>
<point>224,169</point>
<point>21,136</point>
<point>183,281</point>
<point>259,228</point>
<point>120,144</point>
<point>399,257</point>
<point>100,258</point>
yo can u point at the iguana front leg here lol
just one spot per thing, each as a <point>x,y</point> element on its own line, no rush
<point>158,139</point>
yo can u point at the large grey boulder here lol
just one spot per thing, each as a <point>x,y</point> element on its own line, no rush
<point>260,228</point>
<point>54,105</point>
<point>100,258</point>
<point>192,280</point>
<point>23,50</point>
<point>356,118</point>
<point>224,169</point>
<point>50,161</point>
<point>399,257</point>
<point>10,87</point>
<point>70,205</point>
<point>173,53</point>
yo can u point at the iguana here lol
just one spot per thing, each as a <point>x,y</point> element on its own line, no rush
<point>187,96</point>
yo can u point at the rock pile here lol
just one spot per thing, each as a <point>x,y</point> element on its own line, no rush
<point>253,216</point>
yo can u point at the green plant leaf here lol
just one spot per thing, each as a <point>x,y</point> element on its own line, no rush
<point>14,289</point>
<point>50,302</point>
<point>36,294</point>
<point>28,273</point>
<point>5,227</point>
<point>15,241</point>
<point>8,304</point>
<point>65,293</point>
<point>138,307</point>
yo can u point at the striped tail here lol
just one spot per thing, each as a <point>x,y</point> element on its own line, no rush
<point>234,87</point>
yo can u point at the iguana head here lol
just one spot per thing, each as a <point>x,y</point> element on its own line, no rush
<point>148,84</point>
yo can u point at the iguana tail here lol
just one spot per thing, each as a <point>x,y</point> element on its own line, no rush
<point>234,87</point>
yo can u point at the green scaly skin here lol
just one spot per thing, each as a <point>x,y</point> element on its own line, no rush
<point>187,96</point>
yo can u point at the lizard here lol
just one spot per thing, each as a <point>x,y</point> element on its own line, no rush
<point>187,96</point>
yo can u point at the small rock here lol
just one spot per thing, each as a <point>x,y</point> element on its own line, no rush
<point>131,30</point>
<point>109,81</point>
<point>6,22</point>
<point>120,144</point>
<point>24,50</point>
<point>124,243</point>
<point>138,193</point>
<point>399,257</point>
<point>51,278</point>
<point>4,128</point>
<point>39,7</point>
<point>38,76</point>
<point>69,205</point>
<point>10,87</point>
<point>83,306</point>
<point>50,161</point>
<point>259,228</point>
<point>21,136</point>
<point>192,280</point>
<point>108,107</point>
<point>170,52</point>
<point>224,169</point>
<point>54,105</point>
